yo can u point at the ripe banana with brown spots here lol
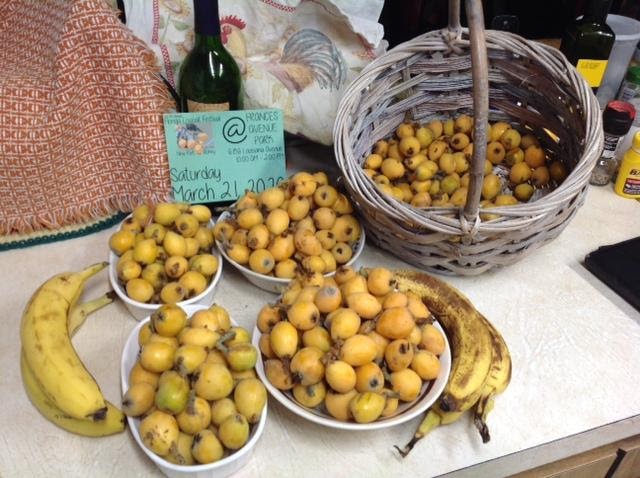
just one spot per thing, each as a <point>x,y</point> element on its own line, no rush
<point>497,380</point>
<point>470,340</point>
<point>481,364</point>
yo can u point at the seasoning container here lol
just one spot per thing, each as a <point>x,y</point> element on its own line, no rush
<point>616,122</point>
<point>628,180</point>
<point>635,60</point>
<point>630,90</point>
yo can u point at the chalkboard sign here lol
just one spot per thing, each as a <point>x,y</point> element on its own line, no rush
<point>216,156</point>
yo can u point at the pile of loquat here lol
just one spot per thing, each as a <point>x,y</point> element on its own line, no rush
<point>428,165</point>
<point>304,225</point>
<point>164,252</point>
<point>352,347</point>
<point>194,385</point>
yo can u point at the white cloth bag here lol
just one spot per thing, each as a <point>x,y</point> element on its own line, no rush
<point>296,55</point>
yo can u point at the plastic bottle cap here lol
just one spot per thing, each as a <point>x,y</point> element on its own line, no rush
<point>618,117</point>
<point>633,75</point>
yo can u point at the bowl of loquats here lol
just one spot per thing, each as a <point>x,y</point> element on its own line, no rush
<point>193,409</point>
<point>164,254</point>
<point>354,354</point>
<point>301,227</point>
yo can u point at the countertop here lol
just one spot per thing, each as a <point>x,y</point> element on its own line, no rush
<point>576,368</point>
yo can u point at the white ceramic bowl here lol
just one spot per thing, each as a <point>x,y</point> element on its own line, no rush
<point>225,467</point>
<point>406,411</point>
<point>139,310</point>
<point>276,284</point>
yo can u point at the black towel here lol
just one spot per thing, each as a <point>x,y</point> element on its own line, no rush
<point>618,266</point>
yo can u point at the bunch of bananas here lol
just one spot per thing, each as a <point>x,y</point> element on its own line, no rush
<point>54,377</point>
<point>480,364</point>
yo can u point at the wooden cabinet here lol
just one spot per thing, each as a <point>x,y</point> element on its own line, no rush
<point>629,463</point>
<point>616,460</point>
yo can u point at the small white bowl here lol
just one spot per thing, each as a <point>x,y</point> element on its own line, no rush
<point>276,284</point>
<point>140,310</point>
<point>219,469</point>
<point>406,411</point>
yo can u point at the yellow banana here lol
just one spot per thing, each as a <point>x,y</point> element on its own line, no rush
<point>434,418</point>
<point>113,422</point>
<point>471,351</point>
<point>79,312</point>
<point>48,349</point>
<point>497,380</point>
<point>430,421</point>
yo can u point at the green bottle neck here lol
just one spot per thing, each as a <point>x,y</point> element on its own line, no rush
<point>208,42</point>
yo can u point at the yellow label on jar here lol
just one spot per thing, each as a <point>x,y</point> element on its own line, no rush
<point>195,107</point>
<point>592,71</point>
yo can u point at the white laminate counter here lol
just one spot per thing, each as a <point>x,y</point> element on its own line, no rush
<point>576,369</point>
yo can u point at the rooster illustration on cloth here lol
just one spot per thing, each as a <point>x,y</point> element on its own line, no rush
<point>307,56</point>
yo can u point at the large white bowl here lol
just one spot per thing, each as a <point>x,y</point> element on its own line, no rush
<point>406,411</point>
<point>218,469</point>
<point>139,310</point>
<point>276,284</point>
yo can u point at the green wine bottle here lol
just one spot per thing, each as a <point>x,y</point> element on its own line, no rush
<point>588,41</point>
<point>209,76</point>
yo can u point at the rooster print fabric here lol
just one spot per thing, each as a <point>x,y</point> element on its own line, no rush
<point>296,55</point>
<point>317,58</point>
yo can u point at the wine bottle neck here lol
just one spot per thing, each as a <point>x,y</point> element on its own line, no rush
<point>597,10</point>
<point>208,42</point>
<point>206,18</point>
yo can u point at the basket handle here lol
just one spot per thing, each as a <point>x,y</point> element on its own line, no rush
<point>480,76</point>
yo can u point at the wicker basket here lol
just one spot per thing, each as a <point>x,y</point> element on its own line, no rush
<point>491,75</point>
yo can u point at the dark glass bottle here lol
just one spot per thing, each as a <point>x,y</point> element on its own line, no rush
<point>209,76</point>
<point>588,41</point>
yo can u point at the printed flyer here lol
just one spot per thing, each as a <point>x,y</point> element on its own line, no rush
<point>217,156</point>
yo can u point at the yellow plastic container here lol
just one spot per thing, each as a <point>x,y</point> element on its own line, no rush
<point>628,181</point>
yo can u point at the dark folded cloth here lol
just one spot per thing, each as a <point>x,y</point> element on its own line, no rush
<point>618,266</point>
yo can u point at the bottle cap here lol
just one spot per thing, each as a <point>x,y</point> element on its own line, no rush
<point>618,117</point>
<point>633,75</point>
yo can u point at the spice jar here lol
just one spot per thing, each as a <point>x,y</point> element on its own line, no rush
<point>630,90</point>
<point>616,122</point>
<point>628,181</point>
